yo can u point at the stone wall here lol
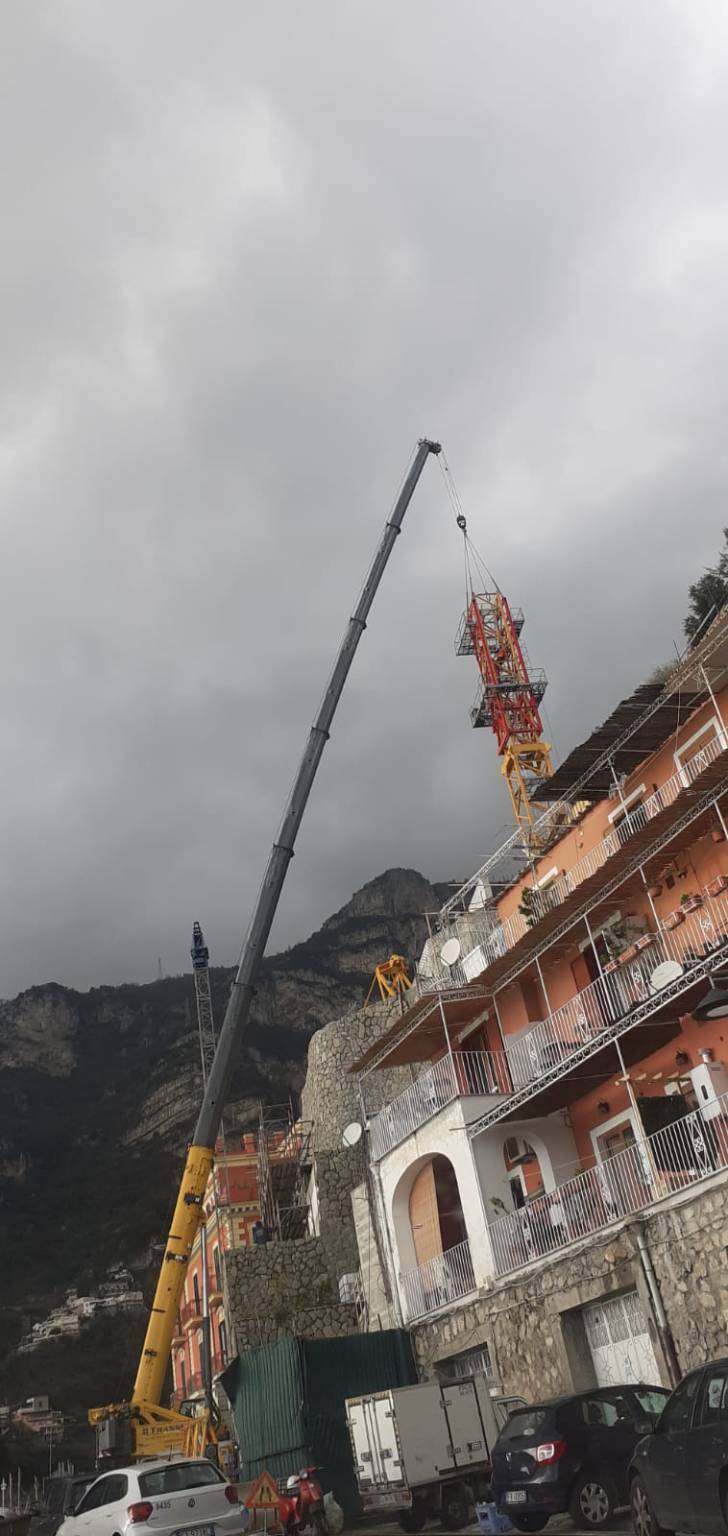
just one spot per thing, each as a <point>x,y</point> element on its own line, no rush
<point>330,1096</point>
<point>530,1325</point>
<point>336,1321</point>
<point>330,1100</point>
<point>285,1288</point>
<point>533,1325</point>
<point>688,1242</point>
<point>336,1174</point>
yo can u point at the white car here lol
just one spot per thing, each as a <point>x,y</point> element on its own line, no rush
<point>170,1497</point>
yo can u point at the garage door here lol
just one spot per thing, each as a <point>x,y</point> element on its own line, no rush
<point>620,1344</point>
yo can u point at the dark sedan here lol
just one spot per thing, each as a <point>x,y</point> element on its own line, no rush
<point>679,1473</point>
<point>572,1453</point>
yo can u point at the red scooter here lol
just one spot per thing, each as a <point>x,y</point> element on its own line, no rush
<point>301,1507</point>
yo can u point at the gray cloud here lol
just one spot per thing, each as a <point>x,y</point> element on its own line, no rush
<point>251,254</point>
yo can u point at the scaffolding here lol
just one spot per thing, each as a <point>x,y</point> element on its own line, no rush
<point>285,1161</point>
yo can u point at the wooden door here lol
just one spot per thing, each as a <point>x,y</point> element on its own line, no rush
<point>424,1217</point>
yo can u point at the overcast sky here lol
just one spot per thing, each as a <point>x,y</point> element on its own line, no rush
<point>250,254</point>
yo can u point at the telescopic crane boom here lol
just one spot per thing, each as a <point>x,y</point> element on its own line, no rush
<point>141,1427</point>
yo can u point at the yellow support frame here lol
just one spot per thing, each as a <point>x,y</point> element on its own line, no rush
<point>390,977</point>
<point>532,758</point>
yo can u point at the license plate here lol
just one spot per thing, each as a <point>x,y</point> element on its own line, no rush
<point>515,1496</point>
<point>388,1500</point>
<point>196,1530</point>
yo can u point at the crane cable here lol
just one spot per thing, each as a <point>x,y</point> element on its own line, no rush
<point>472,558</point>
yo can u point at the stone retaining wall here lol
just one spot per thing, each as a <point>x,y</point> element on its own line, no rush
<point>337,1174</point>
<point>330,1096</point>
<point>332,1322</point>
<point>272,1282</point>
<point>688,1242</point>
<point>532,1324</point>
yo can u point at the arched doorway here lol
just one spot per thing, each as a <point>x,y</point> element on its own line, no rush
<point>435,1213</point>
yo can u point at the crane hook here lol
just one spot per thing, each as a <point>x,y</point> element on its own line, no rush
<point>462,525</point>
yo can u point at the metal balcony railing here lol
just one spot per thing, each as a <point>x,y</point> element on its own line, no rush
<point>484,939</point>
<point>446,1277</point>
<point>680,1155</point>
<point>583,1021</point>
<point>468,1073</point>
<point>614,996</point>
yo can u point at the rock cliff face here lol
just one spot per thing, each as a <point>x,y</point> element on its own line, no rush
<point>99,1090</point>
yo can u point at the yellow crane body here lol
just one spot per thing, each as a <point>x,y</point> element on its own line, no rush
<point>157,1430</point>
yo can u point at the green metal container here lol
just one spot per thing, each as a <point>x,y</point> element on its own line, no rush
<point>288,1403</point>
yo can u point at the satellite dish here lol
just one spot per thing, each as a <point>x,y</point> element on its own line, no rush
<point>450,952</point>
<point>351,1134</point>
<point>670,970</point>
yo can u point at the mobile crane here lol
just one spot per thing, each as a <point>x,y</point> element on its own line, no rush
<point>142,1427</point>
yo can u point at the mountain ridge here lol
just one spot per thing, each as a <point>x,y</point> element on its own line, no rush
<point>99,1090</point>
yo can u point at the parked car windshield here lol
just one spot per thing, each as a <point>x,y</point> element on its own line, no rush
<point>678,1410</point>
<point>651,1399</point>
<point>178,1476</point>
<point>527,1422</point>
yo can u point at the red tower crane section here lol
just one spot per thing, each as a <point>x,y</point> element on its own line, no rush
<point>508,701</point>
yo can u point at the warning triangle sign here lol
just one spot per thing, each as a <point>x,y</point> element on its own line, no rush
<point>264,1493</point>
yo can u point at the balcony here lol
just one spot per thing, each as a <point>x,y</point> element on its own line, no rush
<point>467,1073</point>
<point>631,992</point>
<point>627,995</point>
<point>190,1312</point>
<point>445,1278</point>
<point>677,1157</point>
<point>484,939</point>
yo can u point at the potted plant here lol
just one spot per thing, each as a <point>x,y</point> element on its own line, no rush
<point>615,938</point>
<point>644,940</point>
<point>690,901</point>
<point>674,919</point>
<point>629,937</point>
<point>530,906</point>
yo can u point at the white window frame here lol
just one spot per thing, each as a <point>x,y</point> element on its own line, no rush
<point>713,725</point>
<point>625,803</point>
<point>627,1114</point>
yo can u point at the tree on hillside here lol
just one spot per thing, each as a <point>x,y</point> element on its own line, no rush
<point>709,593</point>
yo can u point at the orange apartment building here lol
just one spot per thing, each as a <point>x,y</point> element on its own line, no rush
<point>563,1088</point>
<point>232,1209</point>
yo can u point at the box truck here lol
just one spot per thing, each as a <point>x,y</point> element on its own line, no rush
<point>424,1451</point>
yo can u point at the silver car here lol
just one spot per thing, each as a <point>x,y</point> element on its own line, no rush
<point>170,1497</point>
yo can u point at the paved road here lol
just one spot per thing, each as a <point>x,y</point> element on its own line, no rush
<point>559,1525</point>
